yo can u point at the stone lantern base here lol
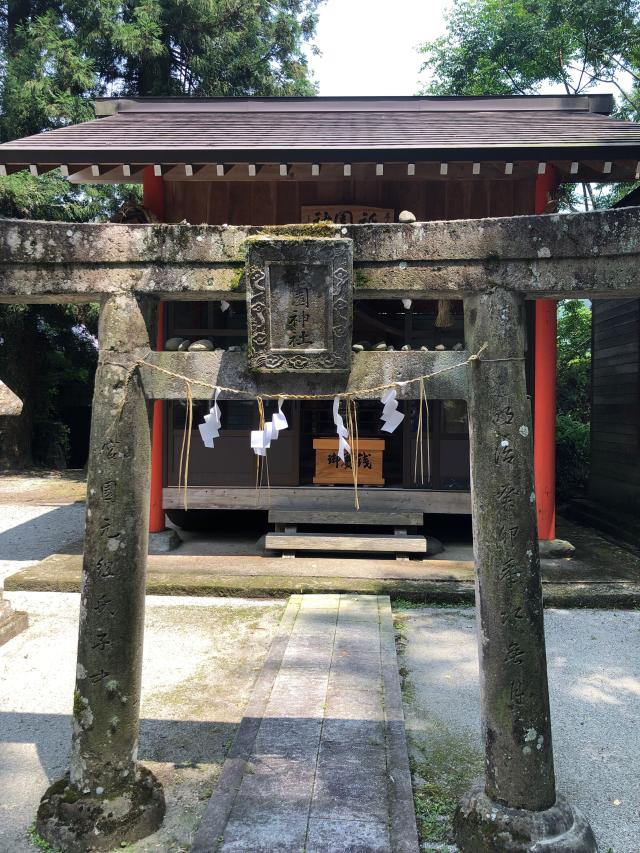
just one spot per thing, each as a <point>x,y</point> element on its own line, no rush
<point>12,622</point>
<point>77,823</point>
<point>483,826</point>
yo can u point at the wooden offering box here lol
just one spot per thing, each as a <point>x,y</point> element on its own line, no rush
<point>331,471</point>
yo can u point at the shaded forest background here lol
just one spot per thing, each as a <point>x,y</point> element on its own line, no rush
<point>56,57</point>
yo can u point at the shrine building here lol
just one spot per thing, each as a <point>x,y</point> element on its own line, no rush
<point>283,161</point>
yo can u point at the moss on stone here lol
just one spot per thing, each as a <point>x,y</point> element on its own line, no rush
<point>78,705</point>
<point>361,278</point>
<point>444,766</point>
<point>38,841</point>
<point>70,794</point>
<point>237,279</point>
<point>306,231</point>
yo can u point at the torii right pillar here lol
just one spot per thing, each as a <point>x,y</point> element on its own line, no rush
<point>516,808</point>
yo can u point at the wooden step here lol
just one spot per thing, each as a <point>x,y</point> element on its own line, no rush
<point>321,516</point>
<point>345,542</point>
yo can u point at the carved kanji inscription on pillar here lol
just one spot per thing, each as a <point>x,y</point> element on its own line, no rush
<point>299,305</point>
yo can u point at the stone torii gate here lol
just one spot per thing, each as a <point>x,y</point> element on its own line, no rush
<point>494,265</point>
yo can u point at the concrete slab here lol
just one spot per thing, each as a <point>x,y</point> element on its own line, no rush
<point>320,760</point>
<point>565,583</point>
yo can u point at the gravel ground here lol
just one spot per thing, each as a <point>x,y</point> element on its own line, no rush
<point>29,533</point>
<point>594,680</point>
<point>201,658</point>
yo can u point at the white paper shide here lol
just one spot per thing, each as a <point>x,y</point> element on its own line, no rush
<point>343,432</point>
<point>391,418</point>
<point>261,438</point>
<point>210,427</point>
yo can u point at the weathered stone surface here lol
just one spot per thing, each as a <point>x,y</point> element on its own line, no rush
<point>78,824</point>
<point>108,791</point>
<point>484,826</point>
<point>201,345</point>
<point>599,233</point>
<point>555,548</point>
<point>299,305</point>
<point>320,760</point>
<point>592,254</point>
<point>12,622</point>
<point>10,403</point>
<point>515,711</point>
<point>369,370</point>
<point>164,541</point>
<point>519,773</point>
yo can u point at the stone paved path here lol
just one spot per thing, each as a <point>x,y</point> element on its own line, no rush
<point>320,760</point>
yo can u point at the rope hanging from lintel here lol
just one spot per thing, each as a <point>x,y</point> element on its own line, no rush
<point>260,448</point>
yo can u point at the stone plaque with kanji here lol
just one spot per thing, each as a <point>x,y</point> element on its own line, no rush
<point>299,305</point>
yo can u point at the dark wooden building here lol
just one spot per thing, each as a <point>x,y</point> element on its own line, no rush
<point>613,501</point>
<point>277,161</point>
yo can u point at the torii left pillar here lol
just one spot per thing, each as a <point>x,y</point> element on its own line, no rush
<point>107,797</point>
<point>153,199</point>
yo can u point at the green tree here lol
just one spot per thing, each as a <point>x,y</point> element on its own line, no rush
<point>502,47</point>
<point>574,398</point>
<point>517,46</point>
<point>201,47</point>
<point>574,359</point>
<point>506,47</point>
<point>55,57</point>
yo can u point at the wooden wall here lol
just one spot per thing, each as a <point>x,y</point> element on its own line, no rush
<point>615,424</point>
<point>263,202</point>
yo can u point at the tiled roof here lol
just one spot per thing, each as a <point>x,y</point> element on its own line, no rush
<point>174,130</point>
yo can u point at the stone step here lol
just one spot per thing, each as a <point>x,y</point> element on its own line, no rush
<point>320,760</point>
<point>322,516</point>
<point>401,543</point>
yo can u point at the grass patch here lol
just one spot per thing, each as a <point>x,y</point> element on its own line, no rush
<point>444,764</point>
<point>409,604</point>
<point>38,841</point>
<point>434,811</point>
<point>443,767</point>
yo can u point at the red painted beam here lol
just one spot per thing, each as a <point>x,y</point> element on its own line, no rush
<point>544,415</point>
<point>153,199</point>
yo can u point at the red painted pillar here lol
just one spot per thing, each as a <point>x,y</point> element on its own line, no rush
<point>544,415</point>
<point>153,199</point>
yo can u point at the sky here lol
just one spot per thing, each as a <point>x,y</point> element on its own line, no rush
<point>369,46</point>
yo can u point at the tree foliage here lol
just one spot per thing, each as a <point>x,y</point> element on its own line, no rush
<point>56,56</point>
<point>574,397</point>
<point>506,47</point>
<point>574,359</point>
<point>516,46</point>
